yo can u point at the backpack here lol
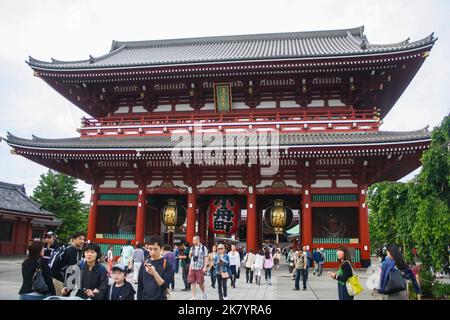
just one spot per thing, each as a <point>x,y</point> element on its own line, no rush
<point>56,263</point>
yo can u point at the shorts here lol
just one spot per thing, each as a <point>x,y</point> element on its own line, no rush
<point>196,276</point>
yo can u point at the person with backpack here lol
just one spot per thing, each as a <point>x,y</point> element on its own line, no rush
<point>394,263</point>
<point>50,245</point>
<point>93,275</point>
<point>155,275</point>
<point>344,272</point>
<point>37,281</point>
<point>65,257</point>
<point>199,262</point>
<point>120,289</point>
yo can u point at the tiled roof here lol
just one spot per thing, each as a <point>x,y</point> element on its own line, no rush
<point>345,42</point>
<point>311,139</point>
<point>14,199</point>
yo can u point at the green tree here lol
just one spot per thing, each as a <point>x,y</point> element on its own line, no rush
<point>57,193</point>
<point>416,214</point>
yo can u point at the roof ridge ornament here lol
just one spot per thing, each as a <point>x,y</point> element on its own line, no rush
<point>91,59</point>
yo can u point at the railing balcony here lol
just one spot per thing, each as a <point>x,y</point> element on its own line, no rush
<point>287,120</point>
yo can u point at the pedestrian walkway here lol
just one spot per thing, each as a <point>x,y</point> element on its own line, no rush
<point>319,288</point>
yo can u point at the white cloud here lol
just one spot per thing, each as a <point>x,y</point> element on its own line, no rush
<point>73,30</point>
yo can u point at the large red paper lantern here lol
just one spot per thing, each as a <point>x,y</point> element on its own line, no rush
<point>224,213</point>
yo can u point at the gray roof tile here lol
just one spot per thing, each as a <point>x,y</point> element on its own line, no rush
<point>14,199</point>
<point>316,138</point>
<point>235,48</point>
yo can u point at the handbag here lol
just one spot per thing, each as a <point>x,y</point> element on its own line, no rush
<point>395,282</point>
<point>225,275</point>
<point>252,267</point>
<point>353,285</point>
<point>38,282</point>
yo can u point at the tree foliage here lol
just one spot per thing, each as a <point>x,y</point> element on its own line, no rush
<point>57,193</point>
<point>416,214</point>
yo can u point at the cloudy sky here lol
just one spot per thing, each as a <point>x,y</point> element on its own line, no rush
<point>74,29</point>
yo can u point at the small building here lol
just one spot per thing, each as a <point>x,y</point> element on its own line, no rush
<point>21,220</point>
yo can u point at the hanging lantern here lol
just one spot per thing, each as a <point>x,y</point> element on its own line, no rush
<point>278,216</point>
<point>173,215</point>
<point>224,215</point>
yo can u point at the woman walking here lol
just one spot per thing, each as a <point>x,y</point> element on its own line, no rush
<point>277,258</point>
<point>212,272</point>
<point>222,270</point>
<point>393,263</point>
<point>258,266</point>
<point>344,272</point>
<point>268,264</point>
<point>31,268</point>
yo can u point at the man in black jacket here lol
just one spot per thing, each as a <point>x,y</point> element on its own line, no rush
<point>72,256</point>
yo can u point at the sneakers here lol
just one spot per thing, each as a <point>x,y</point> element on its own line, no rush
<point>225,298</point>
<point>192,298</point>
<point>205,297</point>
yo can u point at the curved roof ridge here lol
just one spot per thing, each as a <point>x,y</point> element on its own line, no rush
<point>241,37</point>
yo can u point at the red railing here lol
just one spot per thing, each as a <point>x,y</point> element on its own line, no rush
<point>234,117</point>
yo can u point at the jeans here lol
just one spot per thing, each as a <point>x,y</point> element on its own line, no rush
<point>300,273</point>
<point>318,268</point>
<point>268,273</point>
<point>185,276</point>
<point>306,273</point>
<point>172,281</point>
<point>233,275</point>
<point>343,293</point>
<point>221,286</point>
<point>212,272</point>
<point>248,274</point>
<point>31,297</point>
<point>177,265</point>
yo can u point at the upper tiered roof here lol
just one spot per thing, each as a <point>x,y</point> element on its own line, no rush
<point>254,47</point>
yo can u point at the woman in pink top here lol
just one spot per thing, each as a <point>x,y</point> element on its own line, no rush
<point>268,264</point>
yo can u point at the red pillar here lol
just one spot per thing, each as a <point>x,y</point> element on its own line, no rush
<point>364,238</point>
<point>190,223</point>
<point>251,223</point>
<point>93,209</point>
<point>306,218</point>
<point>140,215</point>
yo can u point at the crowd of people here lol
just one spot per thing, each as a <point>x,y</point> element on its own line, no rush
<point>79,271</point>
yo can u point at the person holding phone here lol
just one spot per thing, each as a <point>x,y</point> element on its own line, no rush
<point>155,276</point>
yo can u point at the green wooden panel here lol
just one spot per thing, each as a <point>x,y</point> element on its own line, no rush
<point>334,197</point>
<point>118,197</point>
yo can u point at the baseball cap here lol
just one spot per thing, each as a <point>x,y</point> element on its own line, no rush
<point>51,234</point>
<point>119,267</point>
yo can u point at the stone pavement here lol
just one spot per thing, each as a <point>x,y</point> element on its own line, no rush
<point>319,288</point>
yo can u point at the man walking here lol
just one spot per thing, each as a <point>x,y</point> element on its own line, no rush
<point>199,261</point>
<point>300,269</point>
<point>185,262</point>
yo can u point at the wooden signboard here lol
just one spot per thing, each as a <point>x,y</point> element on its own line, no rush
<point>222,97</point>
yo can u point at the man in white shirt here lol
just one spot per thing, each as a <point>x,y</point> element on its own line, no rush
<point>235,263</point>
